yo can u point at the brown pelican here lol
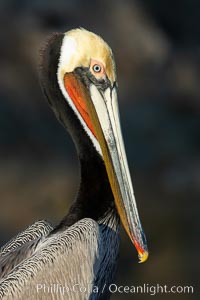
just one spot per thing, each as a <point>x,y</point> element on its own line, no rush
<point>77,259</point>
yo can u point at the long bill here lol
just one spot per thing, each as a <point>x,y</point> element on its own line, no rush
<point>103,113</point>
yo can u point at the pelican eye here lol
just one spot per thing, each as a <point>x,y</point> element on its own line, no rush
<point>96,68</point>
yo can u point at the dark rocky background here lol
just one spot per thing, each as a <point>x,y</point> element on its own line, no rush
<point>157,50</point>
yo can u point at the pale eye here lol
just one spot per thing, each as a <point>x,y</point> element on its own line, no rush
<point>96,68</point>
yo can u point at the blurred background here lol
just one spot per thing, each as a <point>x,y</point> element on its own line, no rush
<point>157,50</point>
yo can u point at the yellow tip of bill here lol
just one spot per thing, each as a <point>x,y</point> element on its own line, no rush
<point>143,256</point>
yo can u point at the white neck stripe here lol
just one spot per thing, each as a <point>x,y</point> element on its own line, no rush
<point>62,60</point>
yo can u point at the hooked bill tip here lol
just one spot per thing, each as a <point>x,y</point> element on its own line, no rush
<point>143,253</point>
<point>143,256</point>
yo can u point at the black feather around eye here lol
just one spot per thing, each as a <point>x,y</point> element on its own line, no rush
<point>87,78</point>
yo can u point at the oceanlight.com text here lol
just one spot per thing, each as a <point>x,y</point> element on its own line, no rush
<point>150,289</point>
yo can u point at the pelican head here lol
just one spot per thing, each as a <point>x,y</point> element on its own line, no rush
<point>86,77</point>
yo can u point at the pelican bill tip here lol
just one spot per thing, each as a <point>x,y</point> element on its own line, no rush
<point>143,256</point>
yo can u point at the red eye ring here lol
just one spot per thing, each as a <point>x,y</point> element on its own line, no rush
<point>97,69</point>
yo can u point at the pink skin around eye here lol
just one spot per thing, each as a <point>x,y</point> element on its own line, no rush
<point>102,72</point>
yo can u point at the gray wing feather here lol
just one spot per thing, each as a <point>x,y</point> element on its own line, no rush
<point>34,231</point>
<point>22,246</point>
<point>11,259</point>
<point>60,265</point>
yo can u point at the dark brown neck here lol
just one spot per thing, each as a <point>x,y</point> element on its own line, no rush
<point>95,199</point>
